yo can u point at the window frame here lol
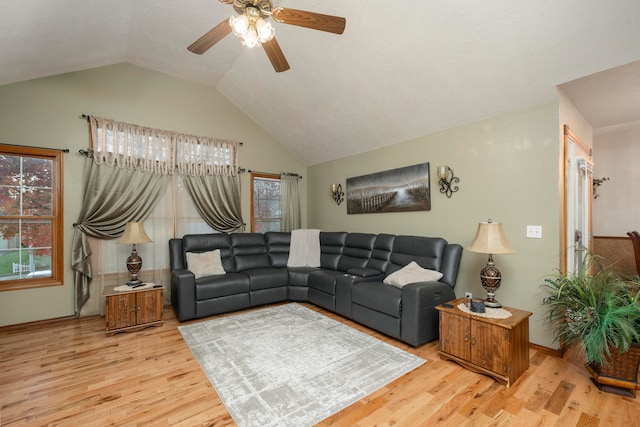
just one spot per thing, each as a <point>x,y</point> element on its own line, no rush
<point>259,175</point>
<point>57,218</point>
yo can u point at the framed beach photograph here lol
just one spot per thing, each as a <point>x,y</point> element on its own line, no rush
<point>396,190</point>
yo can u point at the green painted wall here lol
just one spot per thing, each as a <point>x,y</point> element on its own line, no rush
<point>46,113</point>
<point>509,171</point>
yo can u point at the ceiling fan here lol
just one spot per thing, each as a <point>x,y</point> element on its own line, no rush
<point>253,27</point>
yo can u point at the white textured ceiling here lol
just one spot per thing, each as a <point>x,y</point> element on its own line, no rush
<point>401,69</point>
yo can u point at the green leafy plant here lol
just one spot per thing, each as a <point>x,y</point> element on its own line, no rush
<point>594,308</point>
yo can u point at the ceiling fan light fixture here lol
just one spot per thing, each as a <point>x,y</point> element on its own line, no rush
<point>239,25</point>
<point>265,30</point>
<point>251,27</point>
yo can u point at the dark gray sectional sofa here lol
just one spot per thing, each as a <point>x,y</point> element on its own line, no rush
<point>349,280</point>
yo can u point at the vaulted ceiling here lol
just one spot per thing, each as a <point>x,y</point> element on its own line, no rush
<point>401,69</point>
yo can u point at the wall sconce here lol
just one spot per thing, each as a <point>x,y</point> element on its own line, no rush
<point>445,179</point>
<point>336,193</point>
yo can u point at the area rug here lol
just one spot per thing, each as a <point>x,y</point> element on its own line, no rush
<point>291,366</point>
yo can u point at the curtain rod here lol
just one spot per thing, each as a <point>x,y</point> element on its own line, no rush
<point>64,150</point>
<point>88,118</point>
<point>281,173</point>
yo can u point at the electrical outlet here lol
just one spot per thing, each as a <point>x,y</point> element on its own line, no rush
<point>468,295</point>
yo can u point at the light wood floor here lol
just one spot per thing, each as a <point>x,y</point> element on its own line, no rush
<point>68,373</point>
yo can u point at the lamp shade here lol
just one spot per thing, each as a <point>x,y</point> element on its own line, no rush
<point>134,233</point>
<point>490,239</point>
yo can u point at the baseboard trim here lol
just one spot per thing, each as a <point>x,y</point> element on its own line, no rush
<point>547,350</point>
<point>44,322</point>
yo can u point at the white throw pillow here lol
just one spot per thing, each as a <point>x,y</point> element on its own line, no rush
<point>412,273</point>
<point>205,263</point>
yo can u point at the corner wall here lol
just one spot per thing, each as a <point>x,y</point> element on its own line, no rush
<point>46,113</point>
<point>509,171</point>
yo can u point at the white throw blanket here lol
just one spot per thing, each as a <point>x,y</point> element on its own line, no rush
<point>305,248</point>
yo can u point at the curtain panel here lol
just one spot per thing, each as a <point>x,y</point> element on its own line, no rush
<point>111,198</point>
<point>290,217</point>
<point>217,200</point>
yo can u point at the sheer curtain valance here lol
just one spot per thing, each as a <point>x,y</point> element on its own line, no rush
<point>159,151</point>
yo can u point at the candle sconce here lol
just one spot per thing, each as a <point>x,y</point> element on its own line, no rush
<point>446,179</point>
<point>336,193</point>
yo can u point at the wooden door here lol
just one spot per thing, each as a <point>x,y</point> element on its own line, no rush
<point>490,346</point>
<point>121,311</point>
<point>455,335</point>
<point>149,306</point>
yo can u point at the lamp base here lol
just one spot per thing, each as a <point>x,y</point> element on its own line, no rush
<point>134,282</point>
<point>491,303</point>
<point>490,278</point>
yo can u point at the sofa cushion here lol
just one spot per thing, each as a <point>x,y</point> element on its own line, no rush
<point>324,280</point>
<point>412,273</point>
<point>378,296</point>
<point>299,276</point>
<point>266,278</point>
<point>205,263</point>
<point>220,286</point>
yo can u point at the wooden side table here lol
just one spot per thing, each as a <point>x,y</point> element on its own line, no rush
<point>495,347</point>
<point>133,309</point>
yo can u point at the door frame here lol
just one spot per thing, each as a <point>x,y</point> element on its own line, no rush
<point>574,148</point>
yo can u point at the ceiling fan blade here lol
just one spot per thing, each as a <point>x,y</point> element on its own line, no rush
<point>316,21</point>
<point>210,38</point>
<point>279,62</point>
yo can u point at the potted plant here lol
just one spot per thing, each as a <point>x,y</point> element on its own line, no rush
<point>598,311</point>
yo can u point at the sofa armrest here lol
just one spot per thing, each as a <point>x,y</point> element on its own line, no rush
<point>369,273</point>
<point>419,323</point>
<point>183,294</point>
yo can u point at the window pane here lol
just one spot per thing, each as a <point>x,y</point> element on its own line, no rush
<point>37,172</point>
<point>11,261</point>
<point>9,170</point>
<point>36,234</point>
<point>37,201</point>
<point>9,233</point>
<point>9,200</point>
<point>264,225</point>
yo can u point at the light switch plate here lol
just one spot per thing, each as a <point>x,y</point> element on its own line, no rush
<point>534,231</point>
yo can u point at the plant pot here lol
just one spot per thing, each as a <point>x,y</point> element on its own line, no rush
<point>621,376</point>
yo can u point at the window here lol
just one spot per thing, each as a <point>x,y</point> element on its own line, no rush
<point>30,217</point>
<point>265,202</point>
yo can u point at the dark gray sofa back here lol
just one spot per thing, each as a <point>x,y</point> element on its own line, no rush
<point>357,251</point>
<point>210,242</point>
<point>428,252</point>
<point>331,246</point>
<point>249,251</point>
<point>381,252</point>
<point>278,243</point>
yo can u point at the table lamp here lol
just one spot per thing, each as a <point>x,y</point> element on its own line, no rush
<point>134,234</point>
<point>490,240</point>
